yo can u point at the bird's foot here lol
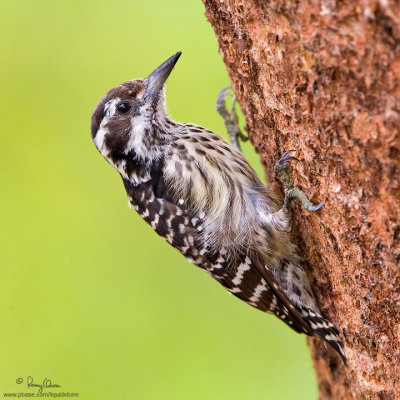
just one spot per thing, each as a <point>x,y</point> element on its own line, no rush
<point>230,118</point>
<point>292,192</point>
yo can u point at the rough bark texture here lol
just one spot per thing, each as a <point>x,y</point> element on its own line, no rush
<point>323,77</point>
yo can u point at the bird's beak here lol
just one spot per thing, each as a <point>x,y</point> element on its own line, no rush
<point>155,81</point>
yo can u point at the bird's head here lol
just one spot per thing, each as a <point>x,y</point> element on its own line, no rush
<point>123,120</point>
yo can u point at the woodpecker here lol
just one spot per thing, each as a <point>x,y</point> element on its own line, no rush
<point>198,192</point>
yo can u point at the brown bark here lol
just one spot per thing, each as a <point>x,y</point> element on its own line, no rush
<point>323,77</point>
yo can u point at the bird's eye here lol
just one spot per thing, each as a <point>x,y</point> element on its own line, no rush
<point>124,107</point>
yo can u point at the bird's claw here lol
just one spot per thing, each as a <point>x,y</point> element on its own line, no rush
<point>230,118</point>
<point>292,192</point>
<point>317,207</point>
<point>223,94</point>
<point>285,157</point>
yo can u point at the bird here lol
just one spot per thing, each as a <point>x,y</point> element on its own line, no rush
<point>198,192</point>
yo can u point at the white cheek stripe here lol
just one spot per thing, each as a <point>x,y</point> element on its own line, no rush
<point>99,138</point>
<point>109,110</point>
<point>109,107</point>
<point>139,125</point>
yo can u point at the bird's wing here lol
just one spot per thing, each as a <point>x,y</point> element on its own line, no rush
<point>253,283</point>
<point>244,275</point>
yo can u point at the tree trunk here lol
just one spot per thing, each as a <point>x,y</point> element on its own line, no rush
<point>323,77</point>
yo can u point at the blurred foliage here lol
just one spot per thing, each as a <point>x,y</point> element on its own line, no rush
<point>90,297</point>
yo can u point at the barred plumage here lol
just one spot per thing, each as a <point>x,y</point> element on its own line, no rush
<point>199,193</point>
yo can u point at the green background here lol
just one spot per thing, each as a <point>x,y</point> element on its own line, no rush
<point>90,297</point>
